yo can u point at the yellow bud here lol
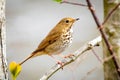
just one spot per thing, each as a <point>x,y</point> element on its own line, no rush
<point>15,69</point>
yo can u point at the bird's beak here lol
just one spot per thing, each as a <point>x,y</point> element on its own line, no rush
<point>76,19</point>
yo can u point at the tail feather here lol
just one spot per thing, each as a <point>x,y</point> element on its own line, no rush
<point>26,59</point>
<point>34,54</point>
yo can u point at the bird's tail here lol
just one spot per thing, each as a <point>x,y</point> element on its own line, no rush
<point>34,54</point>
<point>26,59</point>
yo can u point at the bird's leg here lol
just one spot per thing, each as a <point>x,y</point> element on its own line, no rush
<point>58,61</point>
<point>61,55</point>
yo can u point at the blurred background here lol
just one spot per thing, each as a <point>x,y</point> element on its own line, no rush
<point>29,21</point>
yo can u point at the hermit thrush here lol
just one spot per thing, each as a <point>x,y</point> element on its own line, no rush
<point>57,40</point>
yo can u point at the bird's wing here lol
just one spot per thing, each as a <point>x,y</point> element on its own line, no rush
<point>49,39</point>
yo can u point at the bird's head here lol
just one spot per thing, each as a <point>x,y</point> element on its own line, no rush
<point>67,23</point>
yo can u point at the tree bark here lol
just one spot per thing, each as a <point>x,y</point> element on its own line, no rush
<point>3,61</point>
<point>112,30</point>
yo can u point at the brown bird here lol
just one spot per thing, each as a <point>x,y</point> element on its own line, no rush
<point>57,40</point>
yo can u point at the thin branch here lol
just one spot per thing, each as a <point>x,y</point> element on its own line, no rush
<point>99,59</point>
<point>79,4</point>
<point>103,35</point>
<point>77,54</point>
<point>110,13</point>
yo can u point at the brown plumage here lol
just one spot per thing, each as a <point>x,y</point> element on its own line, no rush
<point>57,39</point>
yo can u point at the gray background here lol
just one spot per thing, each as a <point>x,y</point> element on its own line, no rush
<point>29,21</point>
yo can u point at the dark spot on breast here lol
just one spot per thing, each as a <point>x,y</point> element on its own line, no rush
<point>68,38</point>
<point>65,35</point>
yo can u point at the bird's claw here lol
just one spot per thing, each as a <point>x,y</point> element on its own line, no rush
<point>61,64</point>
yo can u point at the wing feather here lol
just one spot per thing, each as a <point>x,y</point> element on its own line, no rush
<point>49,39</point>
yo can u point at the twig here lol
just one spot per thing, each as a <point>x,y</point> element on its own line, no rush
<point>79,4</point>
<point>110,13</point>
<point>99,59</point>
<point>107,59</point>
<point>103,35</point>
<point>77,54</point>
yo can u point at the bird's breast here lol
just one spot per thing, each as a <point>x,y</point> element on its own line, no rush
<point>61,44</point>
<point>67,38</point>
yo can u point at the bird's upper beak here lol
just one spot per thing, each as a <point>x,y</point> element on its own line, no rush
<point>76,19</point>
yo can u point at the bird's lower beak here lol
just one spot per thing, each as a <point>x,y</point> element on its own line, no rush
<point>77,19</point>
<point>74,20</point>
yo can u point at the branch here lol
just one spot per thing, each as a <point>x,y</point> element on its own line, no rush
<point>99,59</point>
<point>103,35</point>
<point>3,52</point>
<point>79,4</point>
<point>3,60</point>
<point>110,13</point>
<point>77,54</point>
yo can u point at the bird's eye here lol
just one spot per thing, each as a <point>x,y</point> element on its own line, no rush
<point>67,21</point>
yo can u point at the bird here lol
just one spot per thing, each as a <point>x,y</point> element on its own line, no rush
<point>57,40</point>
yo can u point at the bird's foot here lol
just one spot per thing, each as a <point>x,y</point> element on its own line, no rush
<point>69,56</point>
<point>61,64</point>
